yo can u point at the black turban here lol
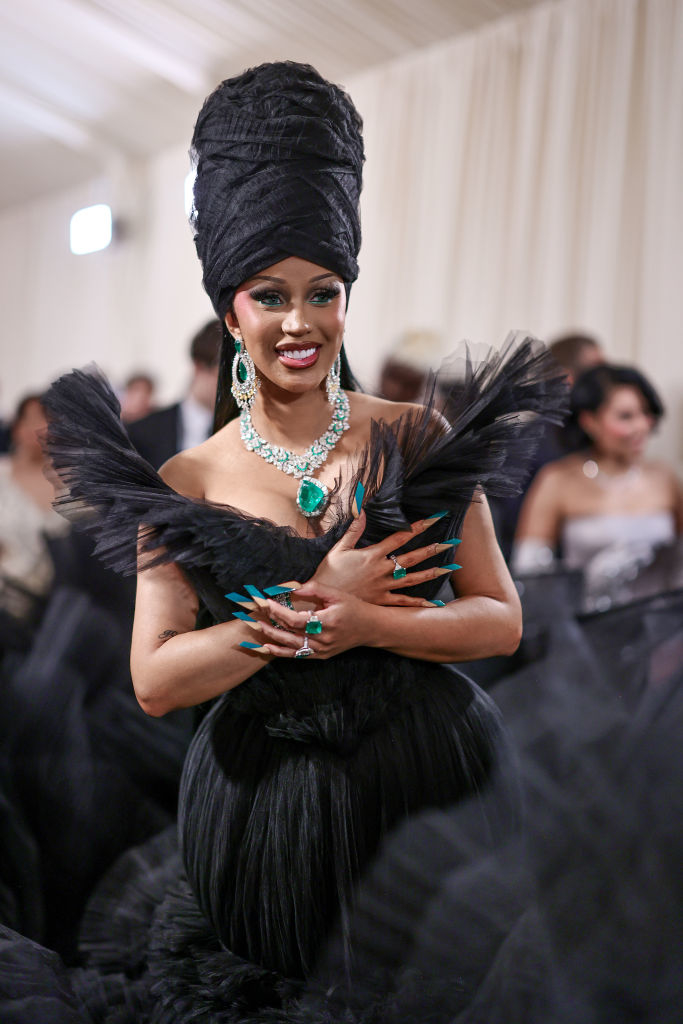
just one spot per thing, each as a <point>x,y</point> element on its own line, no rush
<point>279,155</point>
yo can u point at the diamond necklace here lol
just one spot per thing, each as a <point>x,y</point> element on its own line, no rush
<point>611,481</point>
<point>312,496</point>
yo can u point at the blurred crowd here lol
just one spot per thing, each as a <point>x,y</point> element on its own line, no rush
<point>38,551</point>
<point>84,774</point>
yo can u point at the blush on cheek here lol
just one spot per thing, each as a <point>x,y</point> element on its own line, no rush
<point>244,309</point>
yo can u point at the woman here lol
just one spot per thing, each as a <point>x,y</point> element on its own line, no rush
<point>605,508</point>
<point>329,714</point>
<point>27,519</point>
<point>291,326</point>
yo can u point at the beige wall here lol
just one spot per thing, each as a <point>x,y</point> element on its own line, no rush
<point>133,305</point>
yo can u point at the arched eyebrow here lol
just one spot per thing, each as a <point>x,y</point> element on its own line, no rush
<point>280,280</point>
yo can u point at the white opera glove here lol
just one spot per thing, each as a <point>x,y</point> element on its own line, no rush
<point>531,555</point>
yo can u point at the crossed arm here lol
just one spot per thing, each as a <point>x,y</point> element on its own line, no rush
<point>173,665</point>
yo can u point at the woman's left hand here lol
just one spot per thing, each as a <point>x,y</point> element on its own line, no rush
<point>345,622</point>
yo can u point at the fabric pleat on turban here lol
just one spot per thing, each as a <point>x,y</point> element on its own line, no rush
<point>279,155</point>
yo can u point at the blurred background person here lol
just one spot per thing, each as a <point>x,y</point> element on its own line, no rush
<point>137,397</point>
<point>84,774</point>
<point>27,520</point>
<point>575,353</point>
<point>188,422</point>
<point>603,509</point>
<point>5,436</point>
<point>403,376</point>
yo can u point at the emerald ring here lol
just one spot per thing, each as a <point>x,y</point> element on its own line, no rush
<point>305,651</point>
<point>314,626</point>
<point>399,571</point>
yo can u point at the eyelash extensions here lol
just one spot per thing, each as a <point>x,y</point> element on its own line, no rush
<point>320,297</point>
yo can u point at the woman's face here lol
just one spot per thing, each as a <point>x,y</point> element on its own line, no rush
<point>290,317</point>
<point>27,430</point>
<point>621,427</point>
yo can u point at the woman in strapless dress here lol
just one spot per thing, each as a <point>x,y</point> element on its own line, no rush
<point>606,509</point>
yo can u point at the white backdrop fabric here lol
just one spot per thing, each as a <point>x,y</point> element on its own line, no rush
<point>524,176</point>
<point>530,176</point>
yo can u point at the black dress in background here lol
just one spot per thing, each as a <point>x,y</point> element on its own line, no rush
<point>577,918</point>
<point>293,778</point>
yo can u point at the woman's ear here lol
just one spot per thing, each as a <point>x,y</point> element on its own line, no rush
<point>232,325</point>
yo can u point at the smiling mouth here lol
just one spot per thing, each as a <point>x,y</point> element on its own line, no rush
<point>304,356</point>
<point>299,353</point>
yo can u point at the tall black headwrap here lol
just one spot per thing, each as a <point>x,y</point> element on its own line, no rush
<point>279,155</point>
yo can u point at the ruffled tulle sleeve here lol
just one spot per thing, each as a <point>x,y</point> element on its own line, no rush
<point>478,428</point>
<point>106,488</point>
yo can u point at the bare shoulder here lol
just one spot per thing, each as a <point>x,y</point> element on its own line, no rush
<point>663,474</point>
<point>188,472</point>
<point>182,472</point>
<point>663,470</point>
<point>551,487</point>
<point>560,470</point>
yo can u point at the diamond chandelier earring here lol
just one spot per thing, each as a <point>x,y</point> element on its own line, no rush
<point>333,381</point>
<point>245,383</point>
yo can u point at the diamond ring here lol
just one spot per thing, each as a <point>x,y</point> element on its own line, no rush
<point>399,571</point>
<point>305,651</point>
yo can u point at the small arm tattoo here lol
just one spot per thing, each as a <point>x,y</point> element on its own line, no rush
<point>168,633</point>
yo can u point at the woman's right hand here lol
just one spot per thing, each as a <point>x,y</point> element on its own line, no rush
<point>367,572</point>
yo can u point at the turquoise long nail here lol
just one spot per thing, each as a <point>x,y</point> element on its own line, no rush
<point>250,646</point>
<point>254,591</point>
<point>274,591</point>
<point>453,540</point>
<point>453,566</point>
<point>358,498</point>
<point>244,617</point>
<point>438,604</point>
<point>239,598</point>
<point>437,515</point>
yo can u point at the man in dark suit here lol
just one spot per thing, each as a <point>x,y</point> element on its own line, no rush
<point>186,423</point>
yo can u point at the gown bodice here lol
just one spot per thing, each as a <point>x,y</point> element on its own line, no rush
<point>584,537</point>
<point>618,555</point>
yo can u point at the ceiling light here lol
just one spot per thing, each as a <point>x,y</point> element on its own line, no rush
<point>91,229</point>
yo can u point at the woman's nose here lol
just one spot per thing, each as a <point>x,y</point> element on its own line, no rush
<point>295,322</point>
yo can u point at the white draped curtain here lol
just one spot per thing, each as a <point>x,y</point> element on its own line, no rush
<point>531,176</point>
<point>528,175</point>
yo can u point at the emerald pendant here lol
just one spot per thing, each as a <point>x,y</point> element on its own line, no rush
<point>311,497</point>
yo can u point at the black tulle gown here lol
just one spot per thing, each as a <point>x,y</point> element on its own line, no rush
<point>294,777</point>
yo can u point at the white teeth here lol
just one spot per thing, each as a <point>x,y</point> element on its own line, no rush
<point>298,353</point>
